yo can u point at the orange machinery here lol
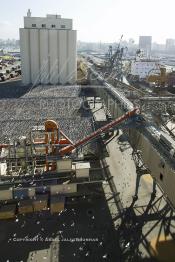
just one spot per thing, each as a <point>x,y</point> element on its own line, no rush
<point>54,136</point>
<point>163,79</point>
<point>58,144</point>
<point>160,79</point>
<point>55,143</point>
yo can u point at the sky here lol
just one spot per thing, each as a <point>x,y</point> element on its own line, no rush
<point>96,20</point>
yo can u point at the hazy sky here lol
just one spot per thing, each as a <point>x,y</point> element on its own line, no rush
<point>96,20</point>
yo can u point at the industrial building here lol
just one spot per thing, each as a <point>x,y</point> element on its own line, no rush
<point>143,67</point>
<point>145,43</point>
<point>48,50</point>
<point>170,44</point>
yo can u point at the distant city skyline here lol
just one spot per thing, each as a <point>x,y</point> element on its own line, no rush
<point>135,43</point>
<point>96,20</point>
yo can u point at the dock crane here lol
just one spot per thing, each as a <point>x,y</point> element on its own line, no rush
<point>114,61</point>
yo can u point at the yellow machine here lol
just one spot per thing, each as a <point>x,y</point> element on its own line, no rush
<point>163,79</point>
<point>82,72</point>
<point>160,80</point>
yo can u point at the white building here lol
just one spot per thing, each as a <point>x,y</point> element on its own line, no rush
<point>48,50</point>
<point>143,67</point>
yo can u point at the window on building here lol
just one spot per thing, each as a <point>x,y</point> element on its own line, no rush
<point>63,26</point>
<point>53,26</point>
<point>43,25</point>
<point>33,25</point>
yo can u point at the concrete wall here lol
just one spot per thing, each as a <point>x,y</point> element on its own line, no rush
<point>44,56</point>
<point>48,21</point>
<point>156,164</point>
<point>72,51</point>
<point>25,55</point>
<point>48,56</point>
<point>63,72</point>
<point>34,56</point>
<point>53,54</point>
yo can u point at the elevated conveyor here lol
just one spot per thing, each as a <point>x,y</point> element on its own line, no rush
<point>157,147</point>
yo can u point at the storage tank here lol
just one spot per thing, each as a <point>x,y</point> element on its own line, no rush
<point>72,51</point>
<point>44,56</point>
<point>62,56</point>
<point>34,51</point>
<point>25,55</point>
<point>53,51</point>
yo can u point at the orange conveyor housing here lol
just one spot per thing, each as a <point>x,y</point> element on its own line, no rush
<point>99,131</point>
<point>56,137</point>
